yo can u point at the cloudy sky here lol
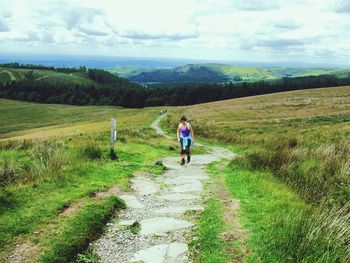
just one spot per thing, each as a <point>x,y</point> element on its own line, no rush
<point>309,31</point>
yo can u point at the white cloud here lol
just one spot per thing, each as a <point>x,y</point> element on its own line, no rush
<point>3,26</point>
<point>343,6</point>
<point>310,30</point>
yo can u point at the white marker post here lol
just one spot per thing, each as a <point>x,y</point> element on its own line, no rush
<point>113,138</point>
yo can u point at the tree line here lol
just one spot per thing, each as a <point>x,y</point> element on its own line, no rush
<point>108,89</point>
<point>67,70</point>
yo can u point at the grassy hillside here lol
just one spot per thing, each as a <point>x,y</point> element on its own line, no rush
<point>218,73</point>
<point>29,119</point>
<point>291,177</point>
<point>297,141</point>
<point>312,122</point>
<point>11,74</point>
<point>54,160</point>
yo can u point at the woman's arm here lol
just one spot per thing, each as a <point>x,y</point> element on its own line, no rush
<point>178,134</point>
<point>192,133</point>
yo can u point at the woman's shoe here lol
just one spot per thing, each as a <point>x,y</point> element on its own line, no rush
<point>182,161</point>
<point>188,159</point>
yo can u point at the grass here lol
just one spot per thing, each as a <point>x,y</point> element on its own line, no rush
<point>319,173</point>
<point>44,171</point>
<point>209,247</point>
<point>79,230</point>
<point>4,77</point>
<point>292,178</point>
<point>317,120</point>
<point>293,174</point>
<point>20,118</point>
<point>8,74</point>
<point>282,227</point>
<point>36,200</point>
<point>91,152</point>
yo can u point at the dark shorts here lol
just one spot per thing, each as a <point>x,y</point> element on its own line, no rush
<point>187,150</point>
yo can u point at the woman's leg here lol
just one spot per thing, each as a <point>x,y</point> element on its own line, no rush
<point>182,152</point>
<point>188,151</point>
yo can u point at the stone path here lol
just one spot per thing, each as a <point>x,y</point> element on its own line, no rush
<point>153,228</point>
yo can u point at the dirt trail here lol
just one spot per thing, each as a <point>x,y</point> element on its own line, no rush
<point>155,126</point>
<point>154,228</point>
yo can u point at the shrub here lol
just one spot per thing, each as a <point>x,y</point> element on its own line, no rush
<point>91,152</point>
<point>10,171</point>
<point>6,199</point>
<point>47,161</point>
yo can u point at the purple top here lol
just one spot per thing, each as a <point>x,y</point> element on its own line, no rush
<point>185,132</point>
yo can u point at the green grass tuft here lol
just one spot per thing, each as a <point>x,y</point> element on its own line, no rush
<point>91,152</point>
<point>282,227</point>
<point>80,230</point>
<point>209,247</point>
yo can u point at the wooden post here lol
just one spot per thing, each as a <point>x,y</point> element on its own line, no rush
<point>113,138</point>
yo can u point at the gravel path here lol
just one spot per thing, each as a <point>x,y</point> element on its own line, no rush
<point>153,228</point>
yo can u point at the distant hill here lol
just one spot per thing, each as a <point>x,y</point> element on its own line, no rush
<point>186,85</point>
<point>191,73</point>
<point>8,74</point>
<point>77,86</point>
<point>220,73</point>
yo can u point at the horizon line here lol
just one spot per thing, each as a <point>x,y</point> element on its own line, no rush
<point>248,63</point>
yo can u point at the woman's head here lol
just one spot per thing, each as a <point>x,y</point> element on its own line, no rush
<point>183,119</point>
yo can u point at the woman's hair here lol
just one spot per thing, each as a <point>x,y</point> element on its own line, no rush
<point>183,118</point>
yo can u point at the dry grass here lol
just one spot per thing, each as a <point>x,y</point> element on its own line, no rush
<point>302,136</point>
<point>255,119</point>
<point>23,120</point>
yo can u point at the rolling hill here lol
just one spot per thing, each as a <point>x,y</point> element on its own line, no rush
<point>13,74</point>
<point>219,73</point>
<point>289,180</point>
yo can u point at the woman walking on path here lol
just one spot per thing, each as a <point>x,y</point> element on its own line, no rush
<point>185,137</point>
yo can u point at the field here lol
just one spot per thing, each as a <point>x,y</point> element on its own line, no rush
<point>25,120</point>
<point>56,172</point>
<point>310,122</point>
<point>294,165</point>
<point>291,176</point>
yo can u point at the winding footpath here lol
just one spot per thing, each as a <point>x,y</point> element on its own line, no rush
<point>154,228</point>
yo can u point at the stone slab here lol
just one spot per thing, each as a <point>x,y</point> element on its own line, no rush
<point>177,210</point>
<point>178,197</point>
<point>144,186</point>
<point>131,201</point>
<point>195,186</point>
<point>161,225</point>
<point>167,253</point>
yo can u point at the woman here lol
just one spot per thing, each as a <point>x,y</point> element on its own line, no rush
<point>185,137</point>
